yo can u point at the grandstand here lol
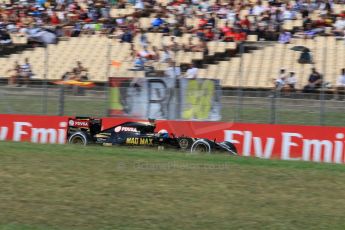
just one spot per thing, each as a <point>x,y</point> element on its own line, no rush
<point>256,67</point>
<point>93,50</point>
<point>260,66</point>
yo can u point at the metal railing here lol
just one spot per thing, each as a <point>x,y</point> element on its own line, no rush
<point>237,106</point>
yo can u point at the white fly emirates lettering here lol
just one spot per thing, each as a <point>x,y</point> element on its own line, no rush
<point>26,131</point>
<point>289,146</point>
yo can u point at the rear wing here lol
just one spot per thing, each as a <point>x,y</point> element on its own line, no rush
<point>93,125</point>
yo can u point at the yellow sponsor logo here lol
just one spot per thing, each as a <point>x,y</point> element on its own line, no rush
<point>139,141</point>
<point>198,99</point>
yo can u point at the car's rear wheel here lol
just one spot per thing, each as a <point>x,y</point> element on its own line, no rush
<point>78,139</point>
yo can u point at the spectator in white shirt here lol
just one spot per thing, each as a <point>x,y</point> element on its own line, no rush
<point>143,39</point>
<point>279,83</point>
<point>231,15</point>
<point>288,14</point>
<point>12,28</point>
<point>340,87</point>
<point>258,9</point>
<point>165,57</point>
<point>173,71</point>
<point>284,37</point>
<point>25,72</point>
<point>139,5</point>
<point>192,72</point>
<point>291,82</point>
<point>222,12</point>
<point>144,53</point>
<point>339,26</point>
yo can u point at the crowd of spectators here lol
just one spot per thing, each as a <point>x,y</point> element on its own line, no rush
<point>286,82</point>
<point>38,20</point>
<point>71,18</point>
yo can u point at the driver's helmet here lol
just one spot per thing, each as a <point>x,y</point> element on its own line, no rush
<point>163,133</point>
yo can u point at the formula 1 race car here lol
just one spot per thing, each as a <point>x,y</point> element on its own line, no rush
<point>86,130</point>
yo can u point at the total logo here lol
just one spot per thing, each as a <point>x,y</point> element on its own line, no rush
<point>78,123</point>
<point>125,129</point>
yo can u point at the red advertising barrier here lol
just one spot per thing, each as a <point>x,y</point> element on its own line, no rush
<point>36,129</point>
<point>286,142</point>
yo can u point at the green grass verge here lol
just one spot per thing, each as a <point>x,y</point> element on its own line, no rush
<point>69,187</point>
<point>34,105</point>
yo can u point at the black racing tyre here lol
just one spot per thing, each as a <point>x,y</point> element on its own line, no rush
<point>201,146</point>
<point>232,147</point>
<point>78,139</point>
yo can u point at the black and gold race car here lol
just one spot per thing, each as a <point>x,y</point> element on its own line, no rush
<point>86,130</point>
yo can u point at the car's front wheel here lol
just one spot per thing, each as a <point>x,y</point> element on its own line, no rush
<point>201,146</point>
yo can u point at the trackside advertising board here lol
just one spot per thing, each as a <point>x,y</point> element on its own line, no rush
<point>165,98</point>
<point>36,129</point>
<point>286,142</point>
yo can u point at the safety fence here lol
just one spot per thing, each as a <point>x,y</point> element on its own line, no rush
<point>231,106</point>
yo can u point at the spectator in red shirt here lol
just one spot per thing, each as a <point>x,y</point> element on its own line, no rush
<point>226,31</point>
<point>342,14</point>
<point>54,19</point>
<point>209,34</point>
<point>245,23</point>
<point>202,21</point>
